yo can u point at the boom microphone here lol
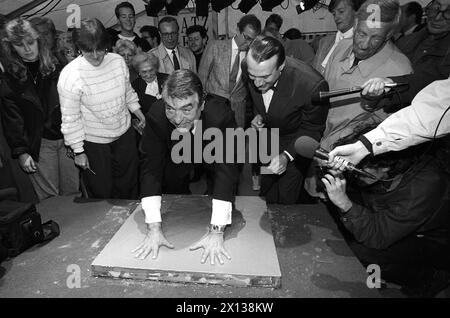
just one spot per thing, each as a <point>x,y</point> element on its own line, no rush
<point>309,148</point>
<point>322,95</point>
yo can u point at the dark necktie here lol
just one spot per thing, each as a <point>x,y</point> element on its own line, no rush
<point>355,62</point>
<point>176,64</point>
<point>234,71</point>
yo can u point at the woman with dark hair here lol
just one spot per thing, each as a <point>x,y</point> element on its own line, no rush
<point>96,100</point>
<point>31,113</point>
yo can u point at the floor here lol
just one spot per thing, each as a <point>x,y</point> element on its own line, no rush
<point>314,259</point>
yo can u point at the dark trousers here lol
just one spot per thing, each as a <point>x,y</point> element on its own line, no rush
<point>409,262</point>
<point>288,187</point>
<point>115,166</point>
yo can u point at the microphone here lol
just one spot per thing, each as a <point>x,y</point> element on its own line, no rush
<point>322,95</point>
<point>309,148</point>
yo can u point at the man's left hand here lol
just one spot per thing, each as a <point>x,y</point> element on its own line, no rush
<point>212,243</point>
<point>278,164</point>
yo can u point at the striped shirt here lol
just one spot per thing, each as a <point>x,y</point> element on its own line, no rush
<point>95,101</point>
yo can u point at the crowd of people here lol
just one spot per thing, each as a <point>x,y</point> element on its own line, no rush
<point>93,109</point>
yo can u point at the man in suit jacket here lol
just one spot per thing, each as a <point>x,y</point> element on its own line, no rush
<point>171,56</point>
<point>281,91</point>
<point>184,110</point>
<point>344,15</point>
<point>216,67</point>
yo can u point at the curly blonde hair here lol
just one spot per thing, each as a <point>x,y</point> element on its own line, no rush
<point>16,30</point>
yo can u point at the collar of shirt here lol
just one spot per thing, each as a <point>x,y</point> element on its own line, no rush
<point>131,38</point>
<point>195,126</point>
<point>368,66</point>
<point>169,52</point>
<point>152,88</point>
<point>346,35</point>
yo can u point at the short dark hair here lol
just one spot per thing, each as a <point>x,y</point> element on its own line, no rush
<point>397,161</point>
<point>293,34</point>
<point>182,84</point>
<point>152,30</point>
<point>168,19</point>
<point>91,36</point>
<point>249,19</point>
<point>265,47</point>
<point>275,19</point>
<point>121,5</point>
<point>197,28</point>
<point>355,4</point>
<point>414,8</point>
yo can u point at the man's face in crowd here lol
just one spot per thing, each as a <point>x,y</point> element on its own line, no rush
<point>265,74</point>
<point>368,39</point>
<point>196,42</point>
<point>438,13</point>
<point>47,35</point>
<point>169,34</point>
<point>27,49</point>
<point>126,19</point>
<point>344,16</point>
<point>244,39</point>
<point>182,113</point>
<point>152,41</point>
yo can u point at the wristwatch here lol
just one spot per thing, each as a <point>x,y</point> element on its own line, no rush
<point>217,228</point>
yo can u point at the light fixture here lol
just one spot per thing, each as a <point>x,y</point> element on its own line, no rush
<point>154,6</point>
<point>218,5</point>
<point>173,7</point>
<point>201,8</point>
<point>268,5</point>
<point>246,5</point>
<point>306,5</point>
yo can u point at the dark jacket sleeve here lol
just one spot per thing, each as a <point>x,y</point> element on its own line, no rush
<point>313,118</point>
<point>401,214</point>
<point>153,151</point>
<point>14,126</point>
<point>225,174</point>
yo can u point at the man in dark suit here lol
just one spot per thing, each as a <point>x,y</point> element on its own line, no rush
<point>183,109</point>
<point>281,91</point>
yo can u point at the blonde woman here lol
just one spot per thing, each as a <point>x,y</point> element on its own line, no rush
<point>31,113</point>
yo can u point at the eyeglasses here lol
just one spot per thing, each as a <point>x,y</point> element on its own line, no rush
<point>171,34</point>
<point>434,8</point>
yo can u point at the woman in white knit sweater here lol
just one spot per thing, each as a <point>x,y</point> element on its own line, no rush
<point>96,100</point>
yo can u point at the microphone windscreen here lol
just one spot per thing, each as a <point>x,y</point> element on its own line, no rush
<point>306,146</point>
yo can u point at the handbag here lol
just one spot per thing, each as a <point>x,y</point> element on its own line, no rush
<point>21,227</point>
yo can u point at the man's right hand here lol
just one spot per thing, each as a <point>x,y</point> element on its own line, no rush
<point>257,122</point>
<point>353,153</point>
<point>152,242</point>
<point>27,163</point>
<point>376,87</point>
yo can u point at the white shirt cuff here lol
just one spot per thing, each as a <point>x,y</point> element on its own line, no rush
<point>289,155</point>
<point>221,212</point>
<point>152,208</point>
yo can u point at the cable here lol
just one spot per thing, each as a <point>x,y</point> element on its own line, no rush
<point>34,13</point>
<point>59,1</point>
